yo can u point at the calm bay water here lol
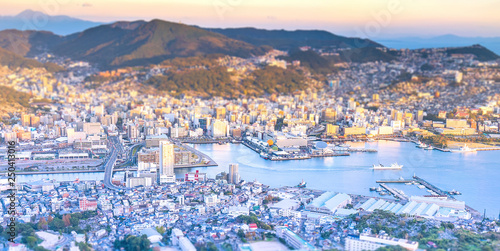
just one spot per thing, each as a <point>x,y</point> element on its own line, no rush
<point>476,175</point>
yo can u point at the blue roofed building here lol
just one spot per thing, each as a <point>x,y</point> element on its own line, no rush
<point>329,202</point>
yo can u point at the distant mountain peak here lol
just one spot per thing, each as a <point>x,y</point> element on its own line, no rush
<point>28,13</point>
<point>59,24</point>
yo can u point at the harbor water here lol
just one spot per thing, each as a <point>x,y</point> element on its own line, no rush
<point>474,174</point>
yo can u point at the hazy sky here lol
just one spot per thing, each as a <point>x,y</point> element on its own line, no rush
<point>363,18</point>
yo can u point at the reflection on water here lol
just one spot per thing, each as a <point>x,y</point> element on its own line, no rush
<point>474,174</point>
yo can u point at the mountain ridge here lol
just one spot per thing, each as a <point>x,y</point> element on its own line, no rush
<point>287,40</point>
<point>128,44</point>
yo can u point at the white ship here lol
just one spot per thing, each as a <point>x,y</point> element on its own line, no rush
<point>463,149</point>
<point>394,166</point>
<point>421,145</point>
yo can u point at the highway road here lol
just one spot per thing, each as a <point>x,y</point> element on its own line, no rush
<point>116,148</point>
<point>131,156</point>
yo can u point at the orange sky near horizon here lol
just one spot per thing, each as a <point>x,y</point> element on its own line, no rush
<point>365,18</point>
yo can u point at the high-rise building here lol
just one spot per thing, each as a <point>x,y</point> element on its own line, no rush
<point>220,113</point>
<point>34,121</point>
<point>420,115</point>
<point>332,129</point>
<point>219,129</point>
<point>132,132</point>
<point>167,159</point>
<point>329,114</point>
<point>25,119</point>
<point>234,176</point>
<point>92,128</point>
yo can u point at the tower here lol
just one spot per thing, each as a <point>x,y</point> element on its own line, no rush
<point>167,174</point>
<point>234,176</point>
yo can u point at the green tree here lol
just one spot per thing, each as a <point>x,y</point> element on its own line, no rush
<point>30,241</point>
<point>56,224</point>
<point>133,243</point>
<point>241,233</point>
<point>211,247</point>
<point>161,229</point>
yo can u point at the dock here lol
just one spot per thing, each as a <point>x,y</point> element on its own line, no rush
<point>419,180</point>
<point>442,149</point>
<point>329,155</point>
<point>290,158</point>
<point>395,193</point>
<point>395,181</point>
<point>432,187</point>
<point>363,150</point>
<point>255,149</point>
<point>487,149</point>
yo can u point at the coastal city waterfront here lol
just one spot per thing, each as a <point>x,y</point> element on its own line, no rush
<point>300,130</point>
<point>472,174</point>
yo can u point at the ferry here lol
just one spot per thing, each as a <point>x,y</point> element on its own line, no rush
<point>302,184</point>
<point>394,166</point>
<point>464,149</point>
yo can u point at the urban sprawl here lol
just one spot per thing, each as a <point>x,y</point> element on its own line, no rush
<point>443,102</point>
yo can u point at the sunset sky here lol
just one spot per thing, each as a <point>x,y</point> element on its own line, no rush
<point>363,18</point>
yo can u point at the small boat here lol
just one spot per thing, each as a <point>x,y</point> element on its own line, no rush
<point>383,193</point>
<point>373,188</point>
<point>429,148</point>
<point>421,186</point>
<point>408,183</point>
<point>454,192</point>
<point>302,184</point>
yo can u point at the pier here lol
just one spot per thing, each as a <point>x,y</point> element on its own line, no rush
<point>363,150</point>
<point>395,181</point>
<point>329,155</point>
<point>487,149</point>
<point>395,193</point>
<point>432,187</point>
<point>255,149</point>
<point>416,179</point>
